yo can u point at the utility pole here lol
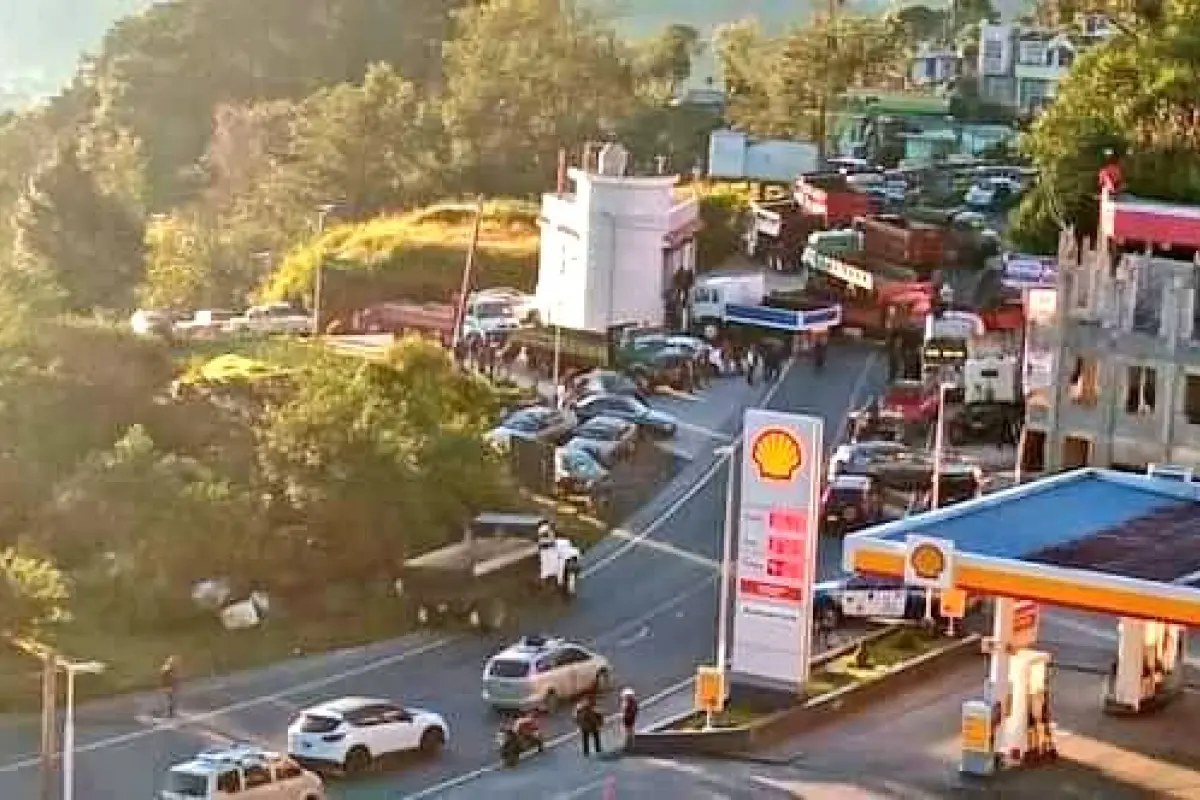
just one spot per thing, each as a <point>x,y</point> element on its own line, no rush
<point>827,89</point>
<point>49,725</point>
<point>460,313</point>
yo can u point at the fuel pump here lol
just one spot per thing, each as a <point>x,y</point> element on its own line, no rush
<point>1027,731</point>
<point>1148,672</point>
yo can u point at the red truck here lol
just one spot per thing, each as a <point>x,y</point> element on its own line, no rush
<point>899,241</point>
<point>830,197</point>
<point>434,320</point>
<point>777,232</point>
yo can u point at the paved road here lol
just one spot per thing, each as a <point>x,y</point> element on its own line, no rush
<point>650,609</point>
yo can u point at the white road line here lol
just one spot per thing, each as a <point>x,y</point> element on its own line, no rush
<point>250,702</point>
<point>703,431</point>
<point>672,550</point>
<point>363,669</point>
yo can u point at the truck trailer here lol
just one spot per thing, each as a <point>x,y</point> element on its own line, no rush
<point>502,560</point>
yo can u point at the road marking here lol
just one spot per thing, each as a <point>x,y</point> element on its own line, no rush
<point>584,790</point>
<point>709,433</point>
<point>629,641</point>
<point>387,661</point>
<point>670,549</point>
<point>250,702</point>
<point>558,741</point>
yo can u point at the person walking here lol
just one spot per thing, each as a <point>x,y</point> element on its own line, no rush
<point>629,714</point>
<point>751,363</point>
<point>589,720</point>
<point>168,676</point>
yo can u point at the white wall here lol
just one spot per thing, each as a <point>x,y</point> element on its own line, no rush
<point>603,248</point>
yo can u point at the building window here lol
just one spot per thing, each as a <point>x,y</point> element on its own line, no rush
<point>1191,399</point>
<point>1084,387</point>
<point>1032,53</point>
<point>1140,391</point>
<point>1148,300</point>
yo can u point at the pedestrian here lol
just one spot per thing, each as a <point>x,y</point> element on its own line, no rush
<point>629,713</point>
<point>751,363</point>
<point>589,720</point>
<point>168,676</point>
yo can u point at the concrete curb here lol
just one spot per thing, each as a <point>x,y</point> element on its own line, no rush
<point>741,742</point>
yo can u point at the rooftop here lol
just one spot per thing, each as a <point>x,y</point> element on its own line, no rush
<point>1130,526</point>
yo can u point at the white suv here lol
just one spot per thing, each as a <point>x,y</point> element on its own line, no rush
<point>242,771</point>
<point>540,672</point>
<point>353,733</point>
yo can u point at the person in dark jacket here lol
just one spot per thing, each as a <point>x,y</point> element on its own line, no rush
<point>629,713</point>
<point>590,721</point>
<point>168,676</point>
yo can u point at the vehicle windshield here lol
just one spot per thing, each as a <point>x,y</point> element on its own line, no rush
<point>317,723</point>
<point>188,784</point>
<point>493,310</point>
<point>524,423</point>
<point>508,668</point>
<point>599,430</point>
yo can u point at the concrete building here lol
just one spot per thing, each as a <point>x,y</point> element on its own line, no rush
<point>1021,68</point>
<point>933,65</point>
<point>611,245</point>
<point>1113,357</point>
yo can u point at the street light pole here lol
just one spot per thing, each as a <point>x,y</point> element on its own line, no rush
<point>71,668</point>
<point>319,279</point>
<point>729,453</point>
<point>935,491</point>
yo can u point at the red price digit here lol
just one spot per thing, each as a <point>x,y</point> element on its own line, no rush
<point>779,546</point>
<point>787,521</point>
<point>778,568</point>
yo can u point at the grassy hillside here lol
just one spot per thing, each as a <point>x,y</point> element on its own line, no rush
<point>417,256</point>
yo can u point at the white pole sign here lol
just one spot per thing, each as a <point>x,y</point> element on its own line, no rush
<point>777,547</point>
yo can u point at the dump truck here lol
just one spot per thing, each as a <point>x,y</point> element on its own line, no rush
<point>502,560</point>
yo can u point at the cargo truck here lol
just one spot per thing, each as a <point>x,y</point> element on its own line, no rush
<point>502,560</point>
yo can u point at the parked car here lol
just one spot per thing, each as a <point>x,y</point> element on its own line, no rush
<point>540,672</point>
<point>631,409</point>
<point>669,366</point>
<point>866,597</point>
<point>353,733</point>
<point>602,381</point>
<point>859,458</point>
<point>850,502</point>
<point>535,423</point>
<point>607,439</point>
<point>152,322</point>
<point>273,319</point>
<point>207,323</point>
<point>578,473</point>
<point>245,772</point>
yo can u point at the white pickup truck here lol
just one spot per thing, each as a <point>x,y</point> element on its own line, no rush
<point>270,319</point>
<point>207,323</point>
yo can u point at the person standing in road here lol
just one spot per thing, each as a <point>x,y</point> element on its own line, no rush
<point>629,713</point>
<point>751,362</point>
<point>168,676</point>
<point>589,720</point>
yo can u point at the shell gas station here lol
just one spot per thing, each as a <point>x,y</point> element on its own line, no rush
<point>1091,539</point>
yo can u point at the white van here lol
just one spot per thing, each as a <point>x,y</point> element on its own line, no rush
<point>244,772</point>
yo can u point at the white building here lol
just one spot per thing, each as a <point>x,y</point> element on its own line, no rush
<point>611,245</point>
<point>1021,68</point>
<point>933,65</point>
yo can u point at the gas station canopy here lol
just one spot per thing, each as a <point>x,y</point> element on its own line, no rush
<point>1091,539</point>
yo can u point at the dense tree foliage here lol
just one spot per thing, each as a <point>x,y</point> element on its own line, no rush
<point>1150,78</point>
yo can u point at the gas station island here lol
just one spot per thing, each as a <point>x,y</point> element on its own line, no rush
<point>1091,539</point>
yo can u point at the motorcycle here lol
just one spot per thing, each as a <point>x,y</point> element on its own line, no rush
<point>517,738</point>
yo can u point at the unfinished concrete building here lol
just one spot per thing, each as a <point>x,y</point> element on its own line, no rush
<point>1112,372</point>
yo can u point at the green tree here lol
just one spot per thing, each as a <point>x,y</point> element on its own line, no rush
<point>33,595</point>
<point>192,263</point>
<point>1151,82</point>
<point>74,244</point>
<point>666,59</point>
<point>525,78</point>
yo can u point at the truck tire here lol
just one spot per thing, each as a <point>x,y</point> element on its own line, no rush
<point>495,615</point>
<point>570,581</point>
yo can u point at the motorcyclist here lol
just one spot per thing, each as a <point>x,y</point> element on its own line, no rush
<point>528,730</point>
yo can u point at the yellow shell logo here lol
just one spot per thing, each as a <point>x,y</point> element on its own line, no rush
<point>777,454</point>
<point>928,561</point>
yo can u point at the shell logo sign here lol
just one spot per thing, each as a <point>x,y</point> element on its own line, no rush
<point>777,454</point>
<point>928,561</point>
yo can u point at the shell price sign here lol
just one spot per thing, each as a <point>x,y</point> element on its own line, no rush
<point>777,541</point>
